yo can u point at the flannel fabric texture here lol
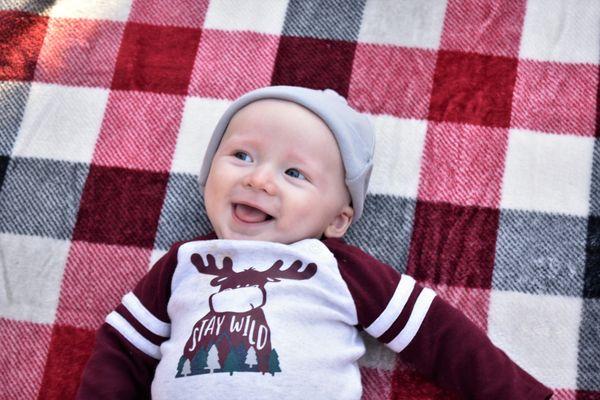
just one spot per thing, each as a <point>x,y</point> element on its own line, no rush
<point>486,184</point>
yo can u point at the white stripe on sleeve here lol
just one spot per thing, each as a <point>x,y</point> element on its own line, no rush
<point>415,320</point>
<point>394,307</point>
<point>117,321</point>
<point>145,317</point>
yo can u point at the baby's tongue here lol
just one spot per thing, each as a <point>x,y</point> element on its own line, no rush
<point>249,214</point>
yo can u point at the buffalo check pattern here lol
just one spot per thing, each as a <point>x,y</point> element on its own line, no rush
<point>486,184</point>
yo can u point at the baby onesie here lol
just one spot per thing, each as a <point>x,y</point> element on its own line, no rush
<point>228,319</point>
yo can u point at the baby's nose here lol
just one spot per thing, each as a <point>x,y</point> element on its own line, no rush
<point>261,178</point>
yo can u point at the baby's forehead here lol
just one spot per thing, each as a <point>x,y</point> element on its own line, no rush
<point>275,109</point>
<point>280,114</point>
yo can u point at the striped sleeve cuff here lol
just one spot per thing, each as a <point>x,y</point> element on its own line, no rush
<point>400,321</point>
<point>139,326</point>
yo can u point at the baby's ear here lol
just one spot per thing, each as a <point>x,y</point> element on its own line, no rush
<point>340,224</point>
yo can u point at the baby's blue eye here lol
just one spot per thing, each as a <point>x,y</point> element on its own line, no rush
<point>241,155</point>
<point>296,173</point>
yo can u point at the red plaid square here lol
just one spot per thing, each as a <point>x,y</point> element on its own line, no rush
<point>139,130</point>
<point>484,26</point>
<point>135,198</point>
<point>407,384</point>
<point>582,395</point>
<point>392,80</point>
<point>230,64</point>
<point>567,394</point>
<point>79,52</point>
<point>314,63</point>
<point>553,97</point>
<point>188,13</point>
<point>70,348</point>
<point>377,383</point>
<point>454,169</point>
<point>21,37</point>
<point>453,245</point>
<point>473,303</point>
<point>156,58</point>
<point>473,88</point>
<point>96,278</point>
<point>24,349</point>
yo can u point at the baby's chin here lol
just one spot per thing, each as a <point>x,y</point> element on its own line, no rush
<point>266,236</point>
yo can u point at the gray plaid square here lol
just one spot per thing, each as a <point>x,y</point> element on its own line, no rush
<point>588,376</point>
<point>540,253</point>
<point>323,19</point>
<point>32,6</point>
<point>595,189</point>
<point>183,216</point>
<point>41,197</point>
<point>13,98</point>
<point>385,229</point>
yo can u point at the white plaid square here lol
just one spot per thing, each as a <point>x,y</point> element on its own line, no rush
<point>547,172</point>
<point>200,116</point>
<point>61,122</point>
<point>397,159</point>
<point>561,30</point>
<point>246,15</point>
<point>32,271</point>
<point>115,10</point>
<point>540,333</point>
<point>403,23</point>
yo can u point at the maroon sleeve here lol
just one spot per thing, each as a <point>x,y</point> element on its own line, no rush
<point>116,369</point>
<point>428,333</point>
<point>456,354</point>
<point>126,350</point>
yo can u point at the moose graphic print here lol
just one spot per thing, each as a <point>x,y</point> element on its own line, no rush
<point>234,335</point>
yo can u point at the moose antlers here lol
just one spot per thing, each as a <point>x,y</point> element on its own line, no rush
<point>211,267</point>
<point>293,272</point>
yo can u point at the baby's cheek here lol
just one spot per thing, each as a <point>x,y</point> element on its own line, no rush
<point>301,207</point>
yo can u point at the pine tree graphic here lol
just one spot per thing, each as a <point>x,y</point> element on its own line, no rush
<point>232,362</point>
<point>274,362</point>
<point>199,362</point>
<point>180,366</point>
<point>241,352</point>
<point>251,358</point>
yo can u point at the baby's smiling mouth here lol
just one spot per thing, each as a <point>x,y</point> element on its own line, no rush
<point>249,214</point>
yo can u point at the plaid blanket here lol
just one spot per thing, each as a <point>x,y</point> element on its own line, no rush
<point>486,184</point>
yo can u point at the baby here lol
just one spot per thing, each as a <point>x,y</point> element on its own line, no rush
<point>270,304</point>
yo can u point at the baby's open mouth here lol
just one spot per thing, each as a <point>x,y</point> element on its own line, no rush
<point>250,214</point>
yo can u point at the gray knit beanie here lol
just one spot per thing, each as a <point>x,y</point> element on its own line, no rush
<point>353,132</point>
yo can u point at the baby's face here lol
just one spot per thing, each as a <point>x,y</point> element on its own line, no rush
<point>277,176</point>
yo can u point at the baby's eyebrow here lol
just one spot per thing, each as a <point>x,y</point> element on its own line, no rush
<point>240,140</point>
<point>302,160</point>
